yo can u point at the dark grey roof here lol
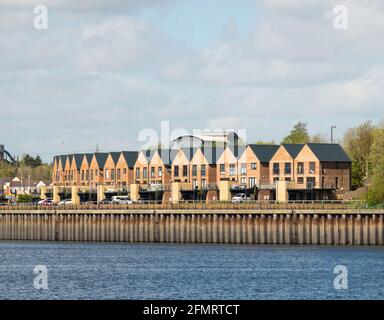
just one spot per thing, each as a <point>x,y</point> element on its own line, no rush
<point>148,154</point>
<point>78,159</point>
<point>101,158</point>
<point>56,158</point>
<point>130,157</point>
<point>189,152</point>
<point>264,152</point>
<point>167,155</point>
<point>115,156</point>
<point>63,160</point>
<point>329,152</point>
<point>212,153</point>
<point>89,157</point>
<point>293,149</point>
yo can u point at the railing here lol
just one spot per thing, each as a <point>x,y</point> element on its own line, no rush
<point>200,205</point>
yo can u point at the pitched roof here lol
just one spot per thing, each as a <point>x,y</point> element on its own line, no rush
<point>264,152</point>
<point>89,157</point>
<point>212,154</point>
<point>78,159</point>
<point>101,158</point>
<point>293,149</point>
<point>130,157</point>
<point>189,152</point>
<point>70,157</point>
<point>63,160</point>
<point>115,156</point>
<point>329,152</point>
<point>167,155</point>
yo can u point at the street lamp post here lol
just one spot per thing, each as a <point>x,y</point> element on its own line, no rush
<point>332,127</point>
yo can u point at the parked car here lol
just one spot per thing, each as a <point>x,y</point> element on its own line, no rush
<point>105,201</point>
<point>46,202</point>
<point>240,197</point>
<point>65,202</point>
<point>121,200</point>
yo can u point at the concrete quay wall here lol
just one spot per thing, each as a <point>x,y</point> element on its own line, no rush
<point>313,227</point>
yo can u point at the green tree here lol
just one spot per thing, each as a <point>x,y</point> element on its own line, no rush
<point>265,142</point>
<point>7,170</point>
<point>299,134</point>
<point>30,161</point>
<point>318,138</point>
<point>357,143</point>
<point>376,161</point>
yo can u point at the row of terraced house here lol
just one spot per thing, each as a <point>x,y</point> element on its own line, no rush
<point>204,167</point>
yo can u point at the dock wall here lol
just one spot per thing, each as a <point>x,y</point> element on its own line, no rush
<point>328,227</point>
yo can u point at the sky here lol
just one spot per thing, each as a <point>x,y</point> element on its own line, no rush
<point>105,73</point>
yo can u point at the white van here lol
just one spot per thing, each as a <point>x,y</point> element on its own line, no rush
<point>121,200</point>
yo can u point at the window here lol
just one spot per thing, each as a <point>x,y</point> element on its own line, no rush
<point>113,174</point>
<point>243,181</point>
<point>152,172</point>
<point>176,171</point>
<point>311,167</point>
<point>300,168</point>
<point>203,170</point>
<point>125,171</point>
<point>185,171</point>
<point>300,180</point>
<point>160,171</point>
<point>203,184</point>
<point>311,182</point>
<point>91,174</point>
<point>82,175</point>
<point>96,172</point>
<point>137,172</point>
<point>118,174</point>
<point>87,174</point>
<point>275,179</point>
<point>337,182</point>
<point>287,178</point>
<point>252,182</point>
<point>222,168</point>
<point>194,183</point>
<point>253,166</point>
<point>243,168</point>
<point>287,168</point>
<point>144,173</point>
<point>232,170</point>
<point>276,168</point>
<point>323,182</point>
<point>194,170</point>
<point>106,174</point>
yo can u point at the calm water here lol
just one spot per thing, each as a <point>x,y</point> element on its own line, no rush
<point>175,271</point>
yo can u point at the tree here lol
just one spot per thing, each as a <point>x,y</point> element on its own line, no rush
<point>30,161</point>
<point>318,138</point>
<point>357,143</point>
<point>7,170</point>
<point>299,134</point>
<point>376,161</point>
<point>265,142</point>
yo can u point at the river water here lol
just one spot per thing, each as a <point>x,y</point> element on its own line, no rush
<point>188,271</point>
